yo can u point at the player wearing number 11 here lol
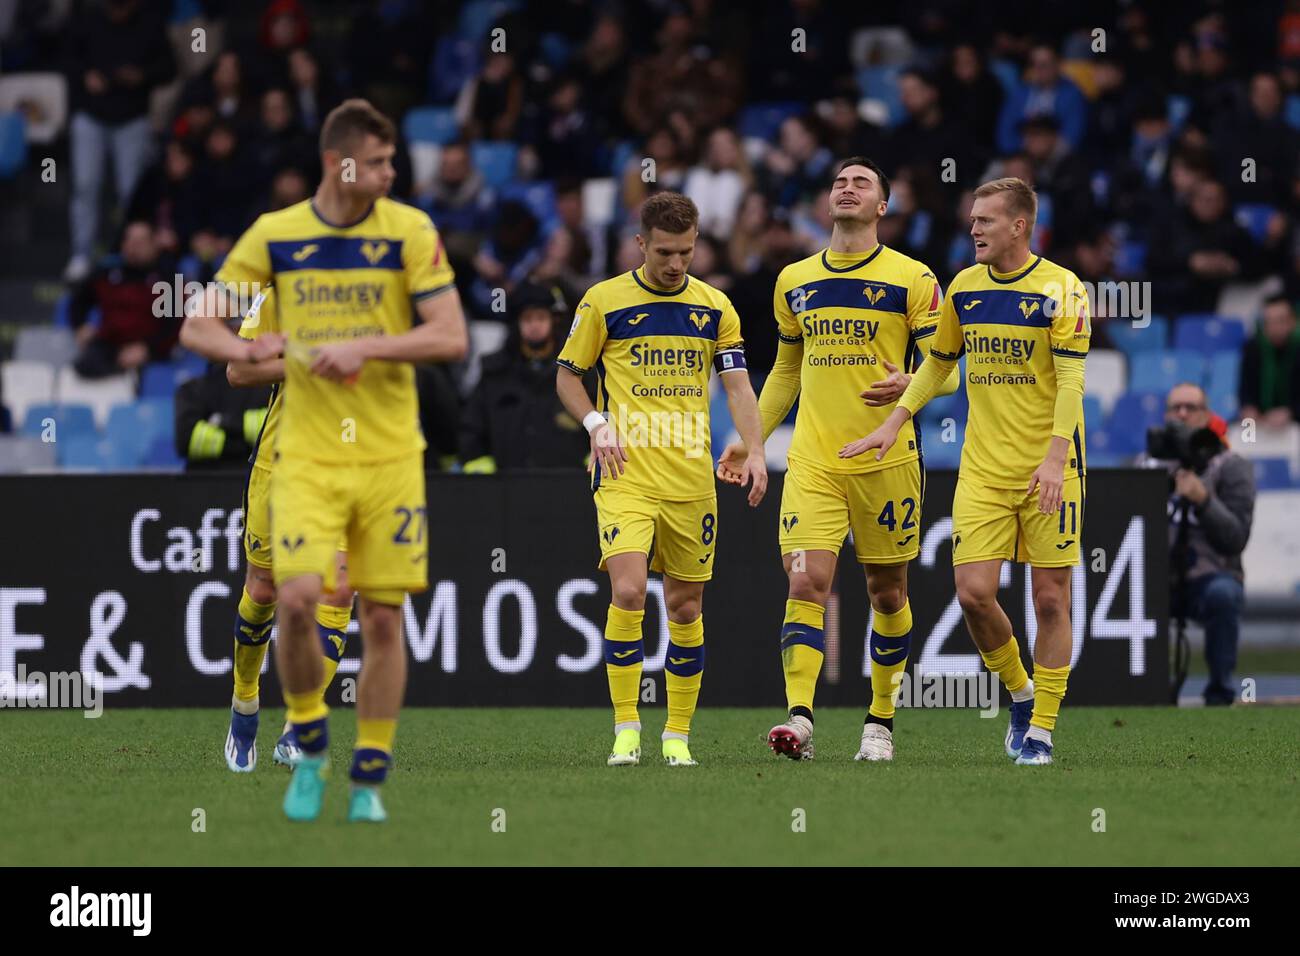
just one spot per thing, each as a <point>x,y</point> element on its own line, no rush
<point>1022,323</point>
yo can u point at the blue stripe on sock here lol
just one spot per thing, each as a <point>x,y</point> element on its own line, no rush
<point>313,736</point>
<point>793,633</point>
<point>890,650</point>
<point>252,635</point>
<point>616,652</point>
<point>370,765</point>
<point>684,661</point>
<point>333,642</point>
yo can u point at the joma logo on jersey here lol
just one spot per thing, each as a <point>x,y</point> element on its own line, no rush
<point>648,356</point>
<point>305,251</point>
<point>1010,345</point>
<point>874,293</point>
<point>639,317</point>
<point>374,252</point>
<point>1028,307</point>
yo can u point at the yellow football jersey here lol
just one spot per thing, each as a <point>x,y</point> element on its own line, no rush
<point>652,350</point>
<point>852,313</point>
<point>262,318</point>
<point>335,283</point>
<point>1012,330</point>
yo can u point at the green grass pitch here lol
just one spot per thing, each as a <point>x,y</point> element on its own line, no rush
<point>1195,787</point>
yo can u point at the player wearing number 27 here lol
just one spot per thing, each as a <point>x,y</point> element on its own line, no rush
<point>854,320</point>
<point>652,335</point>
<point>1022,323</point>
<point>364,291</point>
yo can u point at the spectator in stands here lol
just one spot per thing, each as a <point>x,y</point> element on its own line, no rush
<point>1270,367</point>
<point>1044,92</point>
<point>972,95</point>
<point>718,183</point>
<point>927,136</point>
<point>490,104</point>
<point>1196,254</point>
<point>1062,175</point>
<point>602,70</point>
<point>167,197</point>
<point>566,141</point>
<point>513,418</point>
<point>289,186</point>
<point>1210,518</point>
<point>226,89</point>
<point>129,333</point>
<point>117,55</point>
<point>388,49</point>
<point>278,141</point>
<point>745,249</point>
<point>217,425</point>
<point>223,177</point>
<point>314,93</point>
<point>507,258</point>
<point>799,167</point>
<point>1261,133</point>
<point>458,199</point>
<point>668,172</point>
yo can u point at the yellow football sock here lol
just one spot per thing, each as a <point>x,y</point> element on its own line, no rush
<point>308,716</point>
<point>683,672</point>
<point>802,650</point>
<point>1049,691</point>
<point>332,625</point>
<point>624,654</point>
<point>252,637</point>
<point>1005,662</point>
<point>891,640</point>
<point>376,734</point>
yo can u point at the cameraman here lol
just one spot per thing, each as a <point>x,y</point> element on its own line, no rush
<point>1210,510</point>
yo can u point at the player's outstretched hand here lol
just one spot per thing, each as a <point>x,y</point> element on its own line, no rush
<point>1049,477</point>
<point>337,361</point>
<point>731,463</point>
<point>888,390</point>
<point>268,345</point>
<point>608,452</point>
<point>754,473</point>
<point>882,438</point>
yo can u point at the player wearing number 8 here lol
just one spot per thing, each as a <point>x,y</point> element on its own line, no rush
<point>1023,325</point>
<point>853,321</point>
<point>653,335</point>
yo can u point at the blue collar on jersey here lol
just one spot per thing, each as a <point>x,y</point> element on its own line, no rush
<point>1015,278</point>
<point>857,265</point>
<point>653,291</point>
<point>341,225</point>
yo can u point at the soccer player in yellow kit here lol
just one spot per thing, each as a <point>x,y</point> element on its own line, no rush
<point>851,318</point>
<point>256,614</point>
<point>1023,325</point>
<point>350,268</point>
<point>652,335</point>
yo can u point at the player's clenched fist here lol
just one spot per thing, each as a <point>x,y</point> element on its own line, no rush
<point>608,451</point>
<point>338,361</point>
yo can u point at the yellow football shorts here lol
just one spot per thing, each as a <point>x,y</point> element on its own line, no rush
<point>1003,523</point>
<point>377,508</point>
<point>684,534</point>
<point>257,517</point>
<point>883,509</point>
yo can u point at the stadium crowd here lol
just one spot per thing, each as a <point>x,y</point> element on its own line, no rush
<point>1163,141</point>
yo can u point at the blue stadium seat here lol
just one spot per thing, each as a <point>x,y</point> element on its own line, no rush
<point>1131,258</point>
<point>162,454</point>
<point>139,424</point>
<point>1291,111</point>
<point>479,16</point>
<point>539,197</point>
<point>763,120</point>
<point>1254,217</point>
<point>1093,416</point>
<point>939,453</point>
<point>1102,451</point>
<point>556,50</point>
<point>1223,402</point>
<point>881,83</point>
<point>70,421</point>
<point>1133,414</point>
<point>1161,371</point>
<point>1272,474</point>
<point>13,144</point>
<point>1008,74</point>
<point>619,157</point>
<point>954,406</point>
<point>1131,340</point>
<point>495,160</point>
<point>188,365</point>
<point>1209,333</point>
<point>430,124</point>
<point>159,380</point>
<point>1179,107</point>
<point>455,59</point>
<point>1224,373</point>
<point>97,454</point>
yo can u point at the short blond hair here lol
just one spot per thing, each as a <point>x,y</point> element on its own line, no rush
<point>1021,198</point>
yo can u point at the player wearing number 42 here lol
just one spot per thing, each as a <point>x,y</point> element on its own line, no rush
<point>853,320</point>
<point>1023,325</point>
<point>652,336</point>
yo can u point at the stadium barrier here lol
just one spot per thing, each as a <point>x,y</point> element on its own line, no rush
<point>137,577</point>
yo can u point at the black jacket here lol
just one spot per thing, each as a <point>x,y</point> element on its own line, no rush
<point>515,416</point>
<point>210,398</point>
<point>98,43</point>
